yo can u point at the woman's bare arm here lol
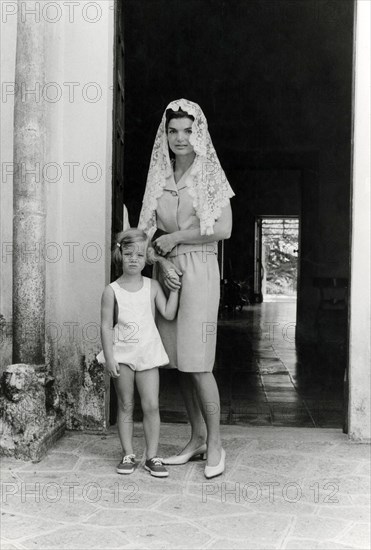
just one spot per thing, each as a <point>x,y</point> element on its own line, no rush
<point>222,230</point>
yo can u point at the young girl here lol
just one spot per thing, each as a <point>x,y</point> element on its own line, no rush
<point>133,349</point>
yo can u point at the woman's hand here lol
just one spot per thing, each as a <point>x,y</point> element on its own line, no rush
<point>170,275</point>
<point>113,369</point>
<point>164,244</point>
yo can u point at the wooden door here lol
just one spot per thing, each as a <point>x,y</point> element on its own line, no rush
<point>118,124</point>
<point>117,164</point>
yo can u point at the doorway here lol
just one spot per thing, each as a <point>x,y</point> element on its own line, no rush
<point>285,145</point>
<point>276,258</point>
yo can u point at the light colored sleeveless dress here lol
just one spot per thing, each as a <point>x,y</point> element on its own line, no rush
<point>190,339</point>
<point>136,341</point>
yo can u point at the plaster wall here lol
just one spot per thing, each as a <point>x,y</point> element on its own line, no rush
<point>77,178</point>
<point>359,349</point>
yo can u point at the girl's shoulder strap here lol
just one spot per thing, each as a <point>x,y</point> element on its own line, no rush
<point>147,283</point>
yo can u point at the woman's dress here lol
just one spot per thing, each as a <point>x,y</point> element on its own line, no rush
<point>190,339</point>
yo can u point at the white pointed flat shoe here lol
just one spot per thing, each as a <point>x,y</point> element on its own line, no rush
<point>176,460</point>
<point>213,471</point>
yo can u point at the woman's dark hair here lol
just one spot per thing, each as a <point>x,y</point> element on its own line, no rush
<point>170,114</point>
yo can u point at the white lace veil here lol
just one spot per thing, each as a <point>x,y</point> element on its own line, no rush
<point>208,185</point>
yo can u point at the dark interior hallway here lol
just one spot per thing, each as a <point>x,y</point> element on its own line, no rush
<point>264,378</point>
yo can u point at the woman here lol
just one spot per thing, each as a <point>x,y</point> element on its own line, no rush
<point>187,200</point>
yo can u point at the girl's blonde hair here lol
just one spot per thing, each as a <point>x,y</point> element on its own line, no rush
<point>124,239</point>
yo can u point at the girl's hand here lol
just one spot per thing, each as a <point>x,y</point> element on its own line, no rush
<point>164,244</point>
<point>113,369</point>
<point>172,282</point>
<point>171,275</point>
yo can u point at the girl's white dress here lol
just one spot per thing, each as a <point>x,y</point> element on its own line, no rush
<point>136,340</point>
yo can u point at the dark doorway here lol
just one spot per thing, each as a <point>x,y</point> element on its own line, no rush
<point>274,79</point>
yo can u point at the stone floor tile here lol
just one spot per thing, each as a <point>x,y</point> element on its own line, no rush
<point>284,396</point>
<point>260,420</point>
<point>100,466</point>
<point>6,545</point>
<point>127,497</point>
<point>10,476</point>
<point>15,526</point>
<point>244,475</point>
<point>13,463</point>
<point>227,544</point>
<point>323,493</point>
<point>302,544</point>
<point>293,418</point>
<point>330,545</point>
<point>358,536</point>
<point>148,484</point>
<point>275,368</point>
<point>177,474</point>
<point>110,448</point>
<point>278,463</point>
<point>318,528</point>
<point>306,459</point>
<point>354,451</point>
<point>73,483</point>
<point>355,484</point>
<point>54,461</point>
<point>168,535</point>
<point>277,380</point>
<point>329,466</point>
<point>70,444</point>
<point>254,528</point>
<point>127,518</point>
<point>296,446</point>
<point>360,500</point>
<point>363,469</point>
<point>201,506</point>
<point>80,537</point>
<point>60,510</point>
<point>360,514</point>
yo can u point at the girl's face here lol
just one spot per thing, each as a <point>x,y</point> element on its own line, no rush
<point>178,134</point>
<point>134,258</point>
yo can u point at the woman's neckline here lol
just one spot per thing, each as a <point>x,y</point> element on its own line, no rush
<point>182,176</point>
<point>131,291</point>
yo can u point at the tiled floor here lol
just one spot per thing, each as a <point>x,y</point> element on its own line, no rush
<point>283,488</point>
<point>264,379</point>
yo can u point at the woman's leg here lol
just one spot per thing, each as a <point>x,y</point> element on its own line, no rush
<point>208,394</point>
<point>148,388</point>
<point>124,386</point>
<point>194,411</point>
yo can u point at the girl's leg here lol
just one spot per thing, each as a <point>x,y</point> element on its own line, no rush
<point>208,394</point>
<point>194,411</point>
<point>124,386</point>
<point>148,388</point>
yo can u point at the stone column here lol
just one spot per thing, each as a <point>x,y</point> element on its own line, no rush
<point>30,420</point>
<point>29,193</point>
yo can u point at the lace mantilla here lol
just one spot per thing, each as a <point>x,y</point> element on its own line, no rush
<point>208,185</point>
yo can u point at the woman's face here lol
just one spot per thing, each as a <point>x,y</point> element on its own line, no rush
<point>178,134</point>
